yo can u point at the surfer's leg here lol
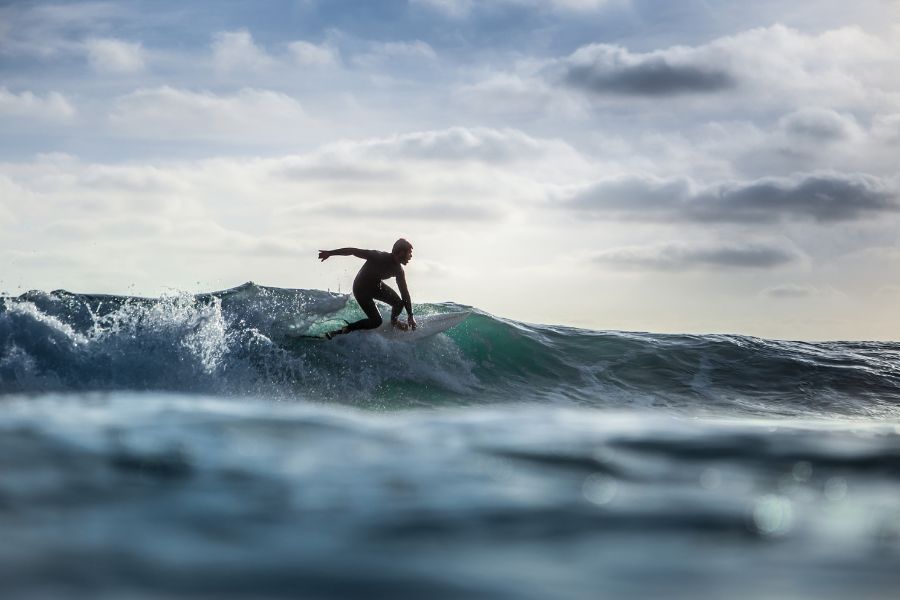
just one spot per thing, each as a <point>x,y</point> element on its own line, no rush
<point>373,317</point>
<point>387,295</point>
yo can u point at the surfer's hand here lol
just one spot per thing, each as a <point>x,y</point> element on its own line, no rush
<point>323,254</point>
<point>411,322</point>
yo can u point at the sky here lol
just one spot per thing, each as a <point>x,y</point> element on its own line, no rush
<point>701,166</point>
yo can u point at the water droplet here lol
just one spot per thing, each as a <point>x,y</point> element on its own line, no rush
<point>802,471</point>
<point>773,515</point>
<point>599,489</point>
<point>835,489</point>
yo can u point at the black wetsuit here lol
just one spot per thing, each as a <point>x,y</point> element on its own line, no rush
<point>368,286</point>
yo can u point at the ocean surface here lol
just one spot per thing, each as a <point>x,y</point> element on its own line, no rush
<point>186,447</point>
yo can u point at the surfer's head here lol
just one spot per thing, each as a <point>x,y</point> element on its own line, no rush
<point>402,251</point>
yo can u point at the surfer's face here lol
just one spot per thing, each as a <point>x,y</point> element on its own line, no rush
<point>404,257</point>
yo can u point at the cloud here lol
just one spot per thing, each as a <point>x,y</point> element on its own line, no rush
<point>458,143</point>
<point>474,176</point>
<point>477,177</point>
<point>579,6</point>
<point>431,211</point>
<point>505,94</point>
<point>790,291</point>
<point>819,125</point>
<point>170,113</point>
<point>131,227</point>
<point>456,174</point>
<point>679,256</point>
<point>64,30</point>
<point>878,257</point>
<point>770,65</point>
<point>146,179</point>
<point>825,198</point>
<point>54,106</point>
<point>11,195</point>
<point>193,236</point>
<point>236,51</point>
<point>464,8</point>
<point>431,269</point>
<point>49,30</point>
<point>37,259</point>
<point>606,69</point>
<point>205,237</point>
<point>71,195</point>
<point>888,290</point>
<point>813,138</point>
<point>114,56</point>
<point>393,158</point>
<point>414,49</point>
<point>336,167</point>
<point>170,209</point>
<point>450,8</point>
<point>306,54</point>
<point>389,52</point>
<point>886,128</point>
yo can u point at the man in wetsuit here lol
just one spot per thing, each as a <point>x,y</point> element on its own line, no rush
<point>368,286</point>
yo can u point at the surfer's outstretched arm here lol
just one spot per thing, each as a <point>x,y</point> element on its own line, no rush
<point>358,253</point>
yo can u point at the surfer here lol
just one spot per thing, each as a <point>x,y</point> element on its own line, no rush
<point>369,285</point>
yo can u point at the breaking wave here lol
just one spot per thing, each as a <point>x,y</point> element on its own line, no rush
<point>232,343</point>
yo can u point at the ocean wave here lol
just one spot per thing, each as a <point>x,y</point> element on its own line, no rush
<point>167,495</point>
<point>232,343</point>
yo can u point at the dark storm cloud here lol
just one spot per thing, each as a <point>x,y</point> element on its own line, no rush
<point>652,77</point>
<point>605,69</point>
<point>825,198</point>
<point>677,257</point>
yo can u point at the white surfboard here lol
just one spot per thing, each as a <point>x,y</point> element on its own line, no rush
<point>427,326</point>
